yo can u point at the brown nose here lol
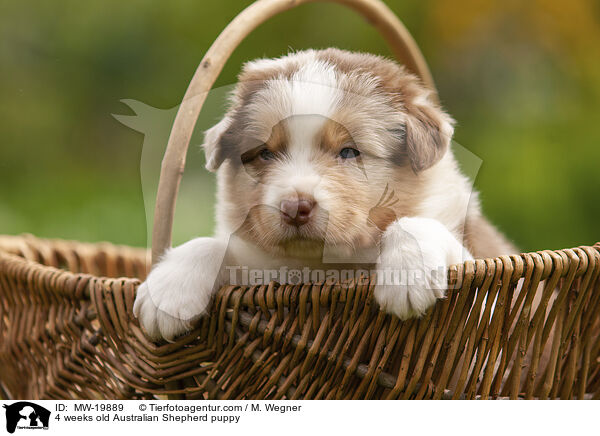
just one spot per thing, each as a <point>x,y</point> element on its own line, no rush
<point>296,212</point>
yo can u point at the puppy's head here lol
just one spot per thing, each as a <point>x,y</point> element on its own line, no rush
<point>314,142</point>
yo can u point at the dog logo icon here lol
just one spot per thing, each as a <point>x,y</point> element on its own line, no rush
<point>382,215</point>
<point>26,415</point>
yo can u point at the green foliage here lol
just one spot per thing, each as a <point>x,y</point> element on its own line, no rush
<point>522,81</point>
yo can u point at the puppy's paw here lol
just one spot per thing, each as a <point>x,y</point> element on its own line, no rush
<point>413,265</point>
<point>159,315</point>
<point>179,288</point>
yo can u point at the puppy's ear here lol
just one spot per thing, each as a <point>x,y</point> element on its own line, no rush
<point>428,132</point>
<point>213,144</point>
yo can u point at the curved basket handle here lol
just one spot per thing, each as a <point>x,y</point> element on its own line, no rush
<point>173,163</point>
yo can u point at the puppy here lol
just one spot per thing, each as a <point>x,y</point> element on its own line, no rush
<point>326,159</point>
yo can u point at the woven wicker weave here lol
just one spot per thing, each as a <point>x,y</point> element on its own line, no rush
<point>70,333</point>
<point>67,328</point>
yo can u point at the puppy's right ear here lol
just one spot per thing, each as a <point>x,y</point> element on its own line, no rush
<point>213,144</point>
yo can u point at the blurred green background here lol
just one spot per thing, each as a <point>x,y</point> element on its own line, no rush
<point>522,79</point>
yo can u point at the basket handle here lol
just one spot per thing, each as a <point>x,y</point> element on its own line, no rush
<point>173,163</point>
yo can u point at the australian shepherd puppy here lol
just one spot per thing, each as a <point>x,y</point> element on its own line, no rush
<point>326,159</point>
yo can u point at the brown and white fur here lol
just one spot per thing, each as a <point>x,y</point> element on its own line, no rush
<point>304,109</point>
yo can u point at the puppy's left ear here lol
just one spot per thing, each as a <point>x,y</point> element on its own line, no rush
<point>428,132</point>
<point>213,144</point>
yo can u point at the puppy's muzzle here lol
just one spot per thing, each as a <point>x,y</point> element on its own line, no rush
<point>296,212</point>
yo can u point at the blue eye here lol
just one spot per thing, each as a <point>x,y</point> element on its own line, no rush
<point>349,153</point>
<point>266,154</point>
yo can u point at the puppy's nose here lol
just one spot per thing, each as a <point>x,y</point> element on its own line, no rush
<point>296,212</point>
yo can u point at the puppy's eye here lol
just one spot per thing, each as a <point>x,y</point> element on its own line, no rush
<point>349,153</point>
<point>266,154</point>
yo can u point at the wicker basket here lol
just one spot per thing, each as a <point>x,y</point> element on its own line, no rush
<point>67,329</point>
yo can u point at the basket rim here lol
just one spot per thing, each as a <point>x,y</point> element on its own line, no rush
<point>17,253</point>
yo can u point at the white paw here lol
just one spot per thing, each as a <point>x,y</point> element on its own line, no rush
<point>179,288</point>
<point>413,265</point>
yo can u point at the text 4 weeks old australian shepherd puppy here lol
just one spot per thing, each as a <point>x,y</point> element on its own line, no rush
<point>326,159</point>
